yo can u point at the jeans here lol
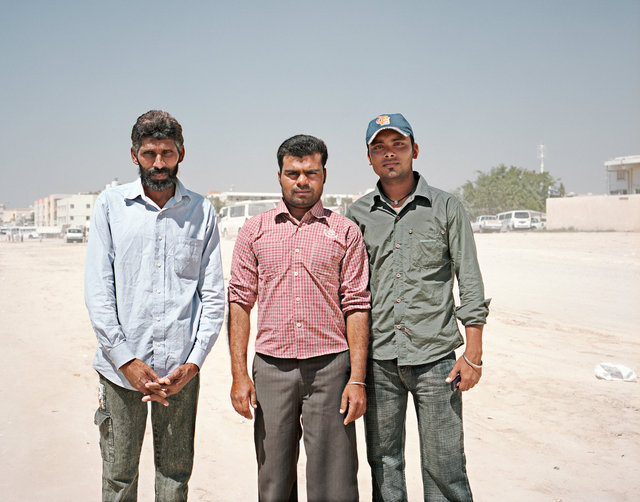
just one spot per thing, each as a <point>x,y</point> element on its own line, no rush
<point>439,414</point>
<point>122,418</point>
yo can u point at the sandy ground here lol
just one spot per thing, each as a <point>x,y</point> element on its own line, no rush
<point>539,426</point>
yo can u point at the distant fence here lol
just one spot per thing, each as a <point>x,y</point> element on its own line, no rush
<point>594,212</point>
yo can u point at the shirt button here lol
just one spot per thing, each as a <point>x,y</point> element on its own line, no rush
<point>398,276</point>
<point>297,298</point>
<point>442,232</point>
<point>397,246</point>
<point>397,218</point>
<point>399,326</point>
<point>398,300</point>
<point>299,324</point>
<point>159,237</point>
<point>158,344</point>
<point>296,274</point>
<point>411,230</point>
<point>157,318</point>
<point>297,250</point>
<point>158,291</point>
<point>158,265</point>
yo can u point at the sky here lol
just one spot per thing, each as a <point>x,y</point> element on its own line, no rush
<point>483,83</point>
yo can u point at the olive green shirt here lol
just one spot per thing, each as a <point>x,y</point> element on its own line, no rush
<point>413,256</point>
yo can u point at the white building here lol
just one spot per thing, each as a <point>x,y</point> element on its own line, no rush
<point>623,175</point>
<point>75,210</point>
<point>46,210</point>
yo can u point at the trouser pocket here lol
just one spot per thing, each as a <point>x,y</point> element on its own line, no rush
<point>103,420</point>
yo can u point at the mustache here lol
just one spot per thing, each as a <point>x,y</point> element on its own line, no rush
<point>159,170</point>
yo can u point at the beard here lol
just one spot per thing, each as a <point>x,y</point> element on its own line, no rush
<point>146,176</point>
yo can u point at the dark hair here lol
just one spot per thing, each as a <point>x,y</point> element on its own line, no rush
<point>156,124</point>
<point>302,145</point>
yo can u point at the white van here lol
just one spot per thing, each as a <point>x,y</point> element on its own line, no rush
<point>74,235</point>
<point>515,220</point>
<point>231,218</point>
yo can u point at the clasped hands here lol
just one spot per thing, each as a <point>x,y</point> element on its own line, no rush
<point>154,387</point>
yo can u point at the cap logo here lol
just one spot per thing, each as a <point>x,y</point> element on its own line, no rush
<point>383,120</point>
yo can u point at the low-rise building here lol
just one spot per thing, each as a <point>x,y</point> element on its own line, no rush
<point>46,210</point>
<point>75,210</point>
<point>623,175</point>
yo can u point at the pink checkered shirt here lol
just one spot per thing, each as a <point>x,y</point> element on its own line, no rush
<point>306,277</point>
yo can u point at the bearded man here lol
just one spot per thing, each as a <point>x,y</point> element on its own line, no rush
<point>155,295</point>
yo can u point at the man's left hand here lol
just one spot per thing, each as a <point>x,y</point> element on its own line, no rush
<point>354,399</point>
<point>172,383</point>
<point>469,376</point>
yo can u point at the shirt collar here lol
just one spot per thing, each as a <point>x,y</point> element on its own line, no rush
<point>135,190</point>
<point>317,211</point>
<point>421,190</point>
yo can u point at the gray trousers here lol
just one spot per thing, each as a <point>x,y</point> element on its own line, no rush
<point>122,419</point>
<point>301,398</point>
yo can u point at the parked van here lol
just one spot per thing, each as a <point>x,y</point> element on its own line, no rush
<point>231,218</point>
<point>74,235</point>
<point>515,220</point>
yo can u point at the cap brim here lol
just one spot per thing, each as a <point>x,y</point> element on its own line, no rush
<point>387,127</point>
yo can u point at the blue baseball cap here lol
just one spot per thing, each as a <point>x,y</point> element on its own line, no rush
<point>393,121</point>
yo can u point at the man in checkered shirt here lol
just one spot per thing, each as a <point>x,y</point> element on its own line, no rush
<point>307,267</point>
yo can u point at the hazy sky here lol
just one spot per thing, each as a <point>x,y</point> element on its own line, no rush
<point>482,83</point>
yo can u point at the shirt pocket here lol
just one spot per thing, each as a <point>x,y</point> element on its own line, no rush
<point>187,257</point>
<point>326,259</point>
<point>270,255</point>
<point>430,249</point>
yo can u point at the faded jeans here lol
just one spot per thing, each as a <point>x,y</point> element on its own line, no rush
<point>122,420</point>
<point>439,414</point>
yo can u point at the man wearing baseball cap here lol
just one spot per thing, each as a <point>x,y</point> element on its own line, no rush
<point>418,239</point>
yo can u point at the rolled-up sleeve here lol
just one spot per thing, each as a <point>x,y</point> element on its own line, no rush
<point>243,286</point>
<point>354,274</point>
<point>474,307</point>
<point>99,288</point>
<point>211,291</point>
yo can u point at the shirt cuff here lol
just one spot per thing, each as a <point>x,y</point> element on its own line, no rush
<point>197,356</point>
<point>474,313</point>
<point>121,354</point>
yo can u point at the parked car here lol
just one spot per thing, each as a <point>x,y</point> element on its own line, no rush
<point>74,235</point>
<point>538,223</point>
<point>486,223</point>
<point>231,218</point>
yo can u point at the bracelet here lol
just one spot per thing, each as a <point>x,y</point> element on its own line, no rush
<point>473,365</point>
<point>357,383</point>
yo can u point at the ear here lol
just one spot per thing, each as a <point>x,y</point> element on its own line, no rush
<point>368,156</point>
<point>133,156</point>
<point>181,154</point>
<point>415,151</point>
<point>324,172</point>
<point>279,174</point>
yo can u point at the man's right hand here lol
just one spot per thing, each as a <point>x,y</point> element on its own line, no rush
<point>243,396</point>
<point>138,373</point>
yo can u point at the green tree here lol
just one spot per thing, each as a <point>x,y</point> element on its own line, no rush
<point>506,188</point>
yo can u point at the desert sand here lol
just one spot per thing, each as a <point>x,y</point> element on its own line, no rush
<point>538,427</point>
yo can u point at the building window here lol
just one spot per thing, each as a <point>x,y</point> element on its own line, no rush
<point>621,175</point>
<point>88,206</point>
<point>88,218</point>
<point>71,206</point>
<point>71,217</point>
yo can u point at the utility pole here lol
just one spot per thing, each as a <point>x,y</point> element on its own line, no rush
<point>541,157</point>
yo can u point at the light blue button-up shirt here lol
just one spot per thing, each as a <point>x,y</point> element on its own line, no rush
<point>153,280</point>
